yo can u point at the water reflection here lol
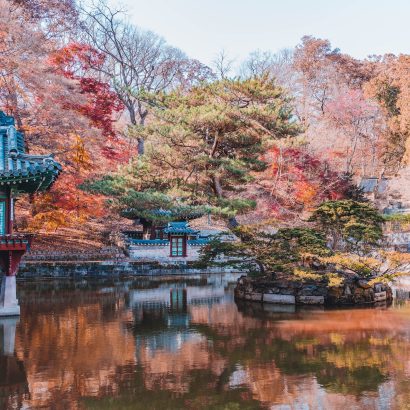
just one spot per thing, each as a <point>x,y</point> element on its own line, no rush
<point>13,381</point>
<point>184,343</point>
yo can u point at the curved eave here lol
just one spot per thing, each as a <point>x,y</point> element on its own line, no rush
<point>187,231</point>
<point>131,213</point>
<point>30,182</point>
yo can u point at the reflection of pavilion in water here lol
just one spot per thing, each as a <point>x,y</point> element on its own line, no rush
<point>178,295</point>
<point>13,381</point>
<point>162,317</point>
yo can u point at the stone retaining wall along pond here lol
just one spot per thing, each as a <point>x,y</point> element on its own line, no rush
<point>354,291</point>
<point>109,268</point>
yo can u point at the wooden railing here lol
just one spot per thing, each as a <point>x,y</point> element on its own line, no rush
<point>16,238</point>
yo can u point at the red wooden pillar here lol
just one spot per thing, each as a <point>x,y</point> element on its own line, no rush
<point>10,260</point>
<point>185,246</point>
<point>12,248</point>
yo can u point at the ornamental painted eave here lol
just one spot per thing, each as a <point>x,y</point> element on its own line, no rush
<point>18,170</point>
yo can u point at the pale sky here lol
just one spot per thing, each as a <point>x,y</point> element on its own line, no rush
<point>202,28</point>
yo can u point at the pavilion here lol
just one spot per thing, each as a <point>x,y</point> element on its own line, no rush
<point>19,173</point>
<point>167,235</point>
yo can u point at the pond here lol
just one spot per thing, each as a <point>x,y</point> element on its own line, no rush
<point>183,343</point>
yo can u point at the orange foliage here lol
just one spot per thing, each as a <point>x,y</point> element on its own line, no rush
<point>65,205</point>
<point>296,181</point>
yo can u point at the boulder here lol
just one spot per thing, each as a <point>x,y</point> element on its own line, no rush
<point>311,300</point>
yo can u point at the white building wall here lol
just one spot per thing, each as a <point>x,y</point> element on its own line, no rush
<point>161,253</point>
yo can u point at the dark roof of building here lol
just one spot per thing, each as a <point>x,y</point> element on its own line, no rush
<point>181,228</point>
<point>373,184</point>
<point>18,170</point>
<point>180,212</point>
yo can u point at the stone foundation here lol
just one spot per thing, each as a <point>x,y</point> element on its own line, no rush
<point>9,305</point>
<point>288,292</point>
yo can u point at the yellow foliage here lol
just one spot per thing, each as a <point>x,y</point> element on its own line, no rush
<point>334,280</point>
<point>396,259</point>
<point>379,342</point>
<point>337,339</point>
<point>353,359</point>
<point>49,221</point>
<point>359,264</point>
<point>306,275</point>
<point>305,343</point>
<point>80,155</point>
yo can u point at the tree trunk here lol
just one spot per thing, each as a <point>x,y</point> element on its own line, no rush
<point>216,185</point>
<point>141,142</point>
<point>133,120</point>
<point>261,267</point>
<point>141,146</point>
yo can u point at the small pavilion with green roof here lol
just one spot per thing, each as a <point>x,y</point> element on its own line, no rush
<point>19,173</point>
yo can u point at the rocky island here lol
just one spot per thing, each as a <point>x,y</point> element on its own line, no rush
<point>351,291</point>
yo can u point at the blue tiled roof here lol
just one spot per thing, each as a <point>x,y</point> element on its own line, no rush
<point>149,241</point>
<point>23,172</point>
<point>181,228</point>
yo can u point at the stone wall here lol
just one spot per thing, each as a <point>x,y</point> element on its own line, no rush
<point>109,268</point>
<point>354,291</point>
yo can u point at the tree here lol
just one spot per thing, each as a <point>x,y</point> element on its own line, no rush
<point>270,253</point>
<point>385,266</point>
<point>223,65</point>
<point>390,88</point>
<point>359,121</point>
<point>44,85</point>
<point>297,181</point>
<point>75,61</point>
<point>277,65</point>
<point>349,225</point>
<point>136,61</point>
<point>207,142</point>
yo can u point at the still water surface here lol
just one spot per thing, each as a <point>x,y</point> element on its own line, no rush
<point>185,344</point>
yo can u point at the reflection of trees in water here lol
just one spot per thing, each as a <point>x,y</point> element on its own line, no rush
<point>83,347</point>
<point>73,344</point>
<point>349,352</point>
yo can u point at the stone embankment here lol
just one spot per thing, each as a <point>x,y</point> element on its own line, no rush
<point>354,291</point>
<point>109,268</point>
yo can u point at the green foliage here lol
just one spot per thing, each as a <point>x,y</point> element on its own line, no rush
<point>109,185</point>
<point>278,252</point>
<point>352,190</point>
<point>229,207</point>
<point>350,225</point>
<point>387,94</point>
<point>202,148</point>
<point>150,205</point>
